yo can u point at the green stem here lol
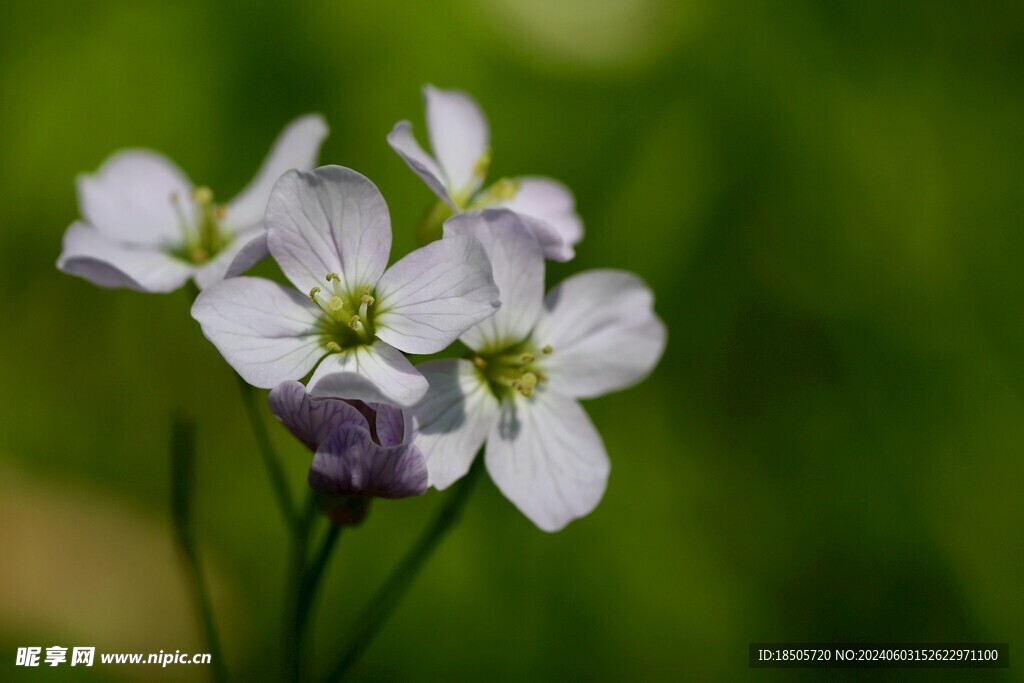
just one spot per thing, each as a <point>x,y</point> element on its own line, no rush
<point>388,596</point>
<point>291,631</point>
<point>270,460</point>
<point>182,488</point>
<point>219,671</point>
<point>311,578</point>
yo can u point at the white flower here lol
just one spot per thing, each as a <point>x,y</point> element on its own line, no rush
<point>460,139</point>
<point>330,232</point>
<point>147,228</point>
<point>594,333</point>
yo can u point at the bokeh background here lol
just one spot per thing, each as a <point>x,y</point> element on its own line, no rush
<point>826,198</point>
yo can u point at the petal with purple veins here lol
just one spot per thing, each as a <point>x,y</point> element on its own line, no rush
<point>266,332</point>
<point>433,295</point>
<point>349,463</point>
<point>329,220</point>
<point>309,420</point>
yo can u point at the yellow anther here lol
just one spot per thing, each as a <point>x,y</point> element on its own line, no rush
<point>547,348</point>
<point>335,303</point>
<point>202,195</point>
<point>526,383</point>
<point>482,165</point>
<point>527,358</point>
<point>220,211</point>
<point>334,347</point>
<point>367,299</point>
<point>333,276</point>
<point>313,292</point>
<point>355,323</point>
<point>504,189</point>
<point>480,363</point>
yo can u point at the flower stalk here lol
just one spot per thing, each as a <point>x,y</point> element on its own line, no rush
<point>182,485</point>
<point>268,455</point>
<point>390,594</point>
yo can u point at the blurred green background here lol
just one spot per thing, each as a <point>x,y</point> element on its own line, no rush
<point>826,198</point>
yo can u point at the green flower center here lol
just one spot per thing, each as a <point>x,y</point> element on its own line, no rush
<point>516,369</point>
<point>348,314</point>
<point>203,241</point>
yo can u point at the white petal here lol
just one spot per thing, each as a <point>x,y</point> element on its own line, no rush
<point>402,141</point>
<point>433,295</point>
<point>459,136</point>
<point>296,147</point>
<point>377,373</point>
<point>330,220</point>
<point>130,198</point>
<point>266,332</point>
<point>311,421</point>
<point>246,249</point>
<point>91,255</point>
<point>551,243</point>
<point>546,457</point>
<point>453,419</point>
<point>552,203</point>
<point>603,331</point>
<point>518,268</point>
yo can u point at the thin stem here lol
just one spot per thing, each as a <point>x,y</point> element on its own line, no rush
<point>311,579</point>
<point>219,671</point>
<point>270,460</point>
<point>387,597</point>
<point>182,488</point>
<point>291,631</point>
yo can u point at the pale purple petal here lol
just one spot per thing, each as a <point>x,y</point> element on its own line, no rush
<point>95,257</point>
<point>266,332</point>
<point>349,463</point>
<point>453,419</point>
<point>603,332</point>
<point>433,295</point>
<point>377,373</point>
<point>402,141</point>
<point>392,423</point>
<point>330,220</point>
<point>459,136</point>
<point>246,249</point>
<point>296,147</point>
<point>130,198</point>
<point>518,268</point>
<point>549,201</point>
<point>309,420</point>
<point>548,459</point>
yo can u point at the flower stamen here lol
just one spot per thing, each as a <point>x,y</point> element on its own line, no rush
<point>365,301</point>
<point>482,165</point>
<point>203,196</point>
<point>526,384</point>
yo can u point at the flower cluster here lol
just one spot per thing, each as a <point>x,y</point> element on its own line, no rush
<point>380,426</point>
